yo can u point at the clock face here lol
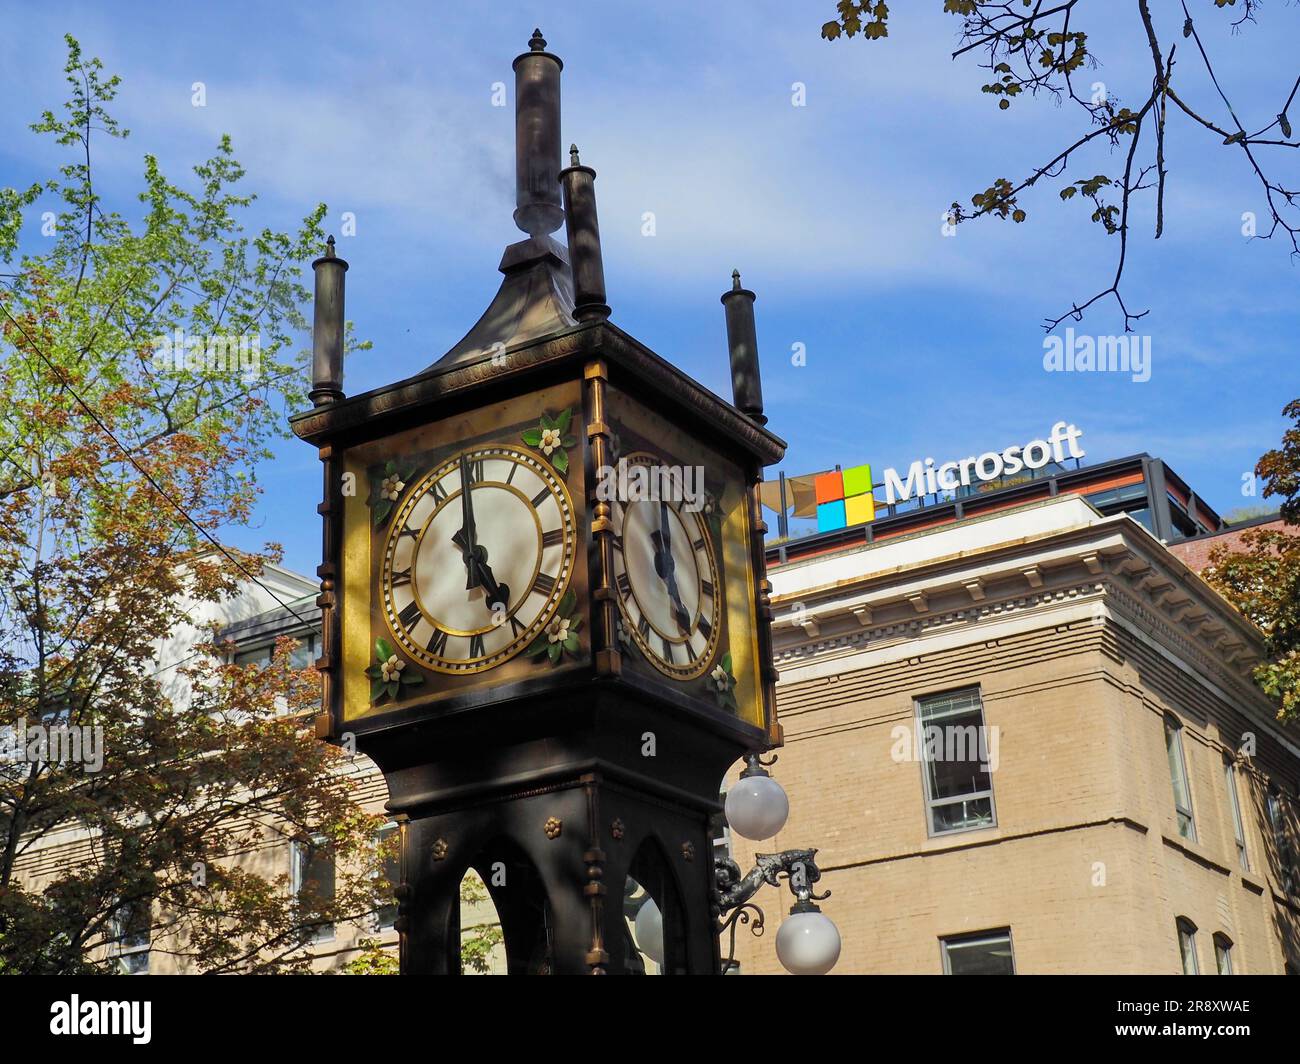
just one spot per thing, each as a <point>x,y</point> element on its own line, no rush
<point>477,558</point>
<point>666,575</point>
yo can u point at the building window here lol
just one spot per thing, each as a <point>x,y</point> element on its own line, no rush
<point>131,928</point>
<point>313,882</point>
<point>1223,954</point>
<point>954,753</point>
<point>1281,840</point>
<point>392,873</point>
<point>984,953</point>
<point>1187,945</point>
<point>1234,805</point>
<point>1178,777</point>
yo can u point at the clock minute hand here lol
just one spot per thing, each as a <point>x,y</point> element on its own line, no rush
<point>465,538</point>
<point>666,567</point>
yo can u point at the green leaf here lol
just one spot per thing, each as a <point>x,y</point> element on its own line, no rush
<point>553,652</point>
<point>571,642</point>
<point>536,647</point>
<point>383,650</point>
<point>548,422</point>
<point>409,677</point>
<point>561,461</point>
<point>726,662</point>
<point>377,689</point>
<point>373,672</point>
<point>567,603</point>
<point>532,437</point>
<point>562,421</point>
<point>575,624</point>
<point>382,509</point>
<point>393,688</point>
<point>568,441</point>
<point>390,467</point>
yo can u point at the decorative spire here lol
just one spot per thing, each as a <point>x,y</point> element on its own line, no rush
<point>329,247</point>
<point>742,343</point>
<point>578,183</point>
<point>537,139</point>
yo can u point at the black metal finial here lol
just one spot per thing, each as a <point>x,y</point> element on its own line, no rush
<point>735,280</point>
<point>537,42</point>
<point>573,156</point>
<point>329,247</point>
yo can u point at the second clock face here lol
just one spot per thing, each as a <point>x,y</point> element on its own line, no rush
<point>477,558</point>
<point>666,574</point>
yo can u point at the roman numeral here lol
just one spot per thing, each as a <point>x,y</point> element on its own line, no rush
<point>437,643</point>
<point>407,530</point>
<point>541,497</point>
<point>545,584</point>
<point>553,538</point>
<point>475,470</point>
<point>515,626</point>
<point>706,629</point>
<point>438,492</point>
<point>624,584</point>
<point>668,649</point>
<point>618,544</point>
<point>644,627</point>
<point>699,543</point>
<point>476,649</point>
<point>706,587</point>
<point>514,468</point>
<point>409,616</point>
<point>399,579</point>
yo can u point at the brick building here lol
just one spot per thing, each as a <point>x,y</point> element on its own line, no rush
<point>1124,800</point>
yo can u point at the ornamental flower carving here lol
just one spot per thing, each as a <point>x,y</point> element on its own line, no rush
<point>386,488</point>
<point>722,682</point>
<point>551,438</point>
<point>389,673</point>
<point>560,636</point>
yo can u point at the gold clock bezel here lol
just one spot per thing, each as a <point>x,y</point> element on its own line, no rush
<point>397,522</point>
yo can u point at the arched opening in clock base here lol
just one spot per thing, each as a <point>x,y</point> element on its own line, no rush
<point>505,918</point>
<point>654,939</point>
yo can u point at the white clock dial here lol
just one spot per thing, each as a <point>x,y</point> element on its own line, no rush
<point>479,554</point>
<point>666,576</point>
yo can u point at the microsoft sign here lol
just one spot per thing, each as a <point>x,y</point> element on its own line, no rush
<point>845,498</point>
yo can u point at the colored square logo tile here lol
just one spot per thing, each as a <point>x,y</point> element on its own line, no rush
<point>829,486</point>
<point>830,516</point>
<point>857,481</point>
<point>859,509</point>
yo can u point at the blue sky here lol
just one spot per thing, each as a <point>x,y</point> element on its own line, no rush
<point>917,344</point>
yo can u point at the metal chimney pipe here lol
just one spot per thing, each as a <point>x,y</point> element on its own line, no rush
<point>583,229</point>
<point>746,387</point>
<point>327,328</point>
<point>537,139</point>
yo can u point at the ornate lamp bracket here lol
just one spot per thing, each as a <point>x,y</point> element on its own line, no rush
<point>733,891</point>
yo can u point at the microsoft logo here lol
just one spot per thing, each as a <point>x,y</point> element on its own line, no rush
<point>844,498</point>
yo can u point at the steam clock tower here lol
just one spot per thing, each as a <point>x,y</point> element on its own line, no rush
<point>544,601</point>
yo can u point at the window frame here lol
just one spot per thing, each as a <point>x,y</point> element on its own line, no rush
<point>931,803</point>
<point>1234,806</point>
<point>970,938</point>
<point>1184,927</point>
<point>1223,953</point>
<point>125,941</point>
<point>325,932</point>
<point>1173,729</point>
<point>392,827</point>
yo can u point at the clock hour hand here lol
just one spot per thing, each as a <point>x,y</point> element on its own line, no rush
<point>496,594</point>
